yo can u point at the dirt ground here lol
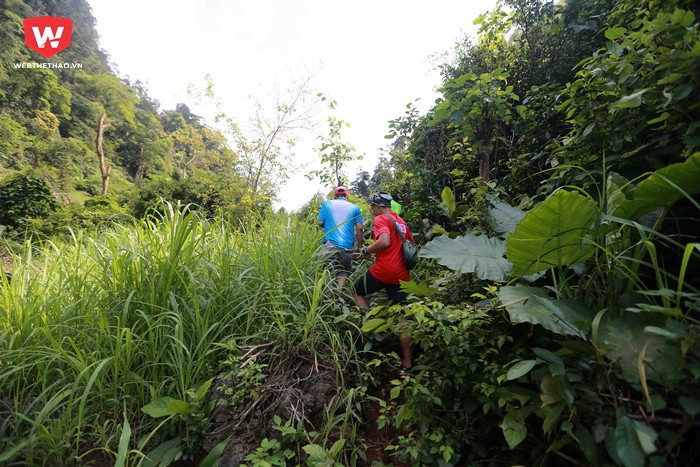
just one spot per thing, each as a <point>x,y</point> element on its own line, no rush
<point>299,388</point>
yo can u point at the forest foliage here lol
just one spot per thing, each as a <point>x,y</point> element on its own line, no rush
<point>89,132</point>
<point>554,189</point>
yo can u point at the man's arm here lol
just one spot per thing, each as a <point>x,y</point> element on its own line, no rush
<point>382,242</point>
<point>359,235</point>
<point>322,215</point>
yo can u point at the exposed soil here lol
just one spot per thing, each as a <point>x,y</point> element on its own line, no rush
<point>379,438</point>
<point>296,388</point>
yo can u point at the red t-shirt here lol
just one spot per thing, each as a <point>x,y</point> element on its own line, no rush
<point>389,267</point>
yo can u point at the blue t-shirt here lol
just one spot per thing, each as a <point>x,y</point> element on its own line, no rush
<point>339,217</point>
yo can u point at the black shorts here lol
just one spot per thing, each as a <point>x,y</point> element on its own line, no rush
<point>340,260</point>
<point>368,284</point>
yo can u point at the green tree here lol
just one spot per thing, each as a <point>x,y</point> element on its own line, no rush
<point>23,196</point>
<point>188,149</point>
<point>266,147</point>
<point>499,109</point>
<point>623,104</point>
<point>13,141</point>
<point>60,121</point>
<point>263,147</point>
<point>143,150</point>
<point>478,108</point>
<point>36,98</point>
<point>172,120</point>
<point>334,152</point>
<point>361,185</point>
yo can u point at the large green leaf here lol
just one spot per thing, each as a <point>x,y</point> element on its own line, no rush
<point>337,448</point>
<point>624,340</point>
<point>630,101</point>
<point>553,233</point>
<point>647,436</point>
<point>373,324</point>
<point>533,305</point>
<point>627,444</point>
<point>520,369</point>
<point>614,33</point>
<point>421,289</point>
<point>662,189</point>
<point>158,408</point>
<point>165,405</point>
<point>448,198</point>
<point>317,454</point>
<point>692,406</point>
<point>618,189</point>
<point>551,390</point>
<point>164,454</point>
<point>514,428</point>
<point>505,217</point>
<point>201,392</point>
<point>478,254</point>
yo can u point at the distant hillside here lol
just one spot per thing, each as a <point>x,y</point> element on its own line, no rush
<point>87,132</point>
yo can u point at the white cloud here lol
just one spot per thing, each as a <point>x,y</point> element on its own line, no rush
<point>374,55</point>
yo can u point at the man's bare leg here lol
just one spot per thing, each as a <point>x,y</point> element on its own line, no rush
<point>360,300</point>
<point>406,350</point>
<point>341,282</point>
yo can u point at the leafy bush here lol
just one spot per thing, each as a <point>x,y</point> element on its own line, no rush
<point>24,196</point>
<point>451,404</point>
<point>98,212</point>
<point>12,142</point>
<point>620,345</point>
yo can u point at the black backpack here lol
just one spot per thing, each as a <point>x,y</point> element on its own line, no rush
<point>409,250</point>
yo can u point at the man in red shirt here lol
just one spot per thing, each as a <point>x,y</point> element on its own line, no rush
<point>388,271</point>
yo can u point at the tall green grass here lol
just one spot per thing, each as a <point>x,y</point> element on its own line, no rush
<point>95,328</point>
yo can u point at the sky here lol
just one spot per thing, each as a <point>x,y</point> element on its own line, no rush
<point>371,57</point>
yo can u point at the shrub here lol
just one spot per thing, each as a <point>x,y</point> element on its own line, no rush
<point>23,196</point>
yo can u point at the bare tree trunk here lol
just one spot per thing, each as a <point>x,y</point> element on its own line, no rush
<point>264,153</point>
<point>484,164</point>
<point>105,170</point>
<point>140,170</point>
<point>337,172</point>
<point>258,173</point>
<point>184,169</point>
<point>286,120</point>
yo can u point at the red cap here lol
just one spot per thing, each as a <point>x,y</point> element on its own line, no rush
<point>341,191</point>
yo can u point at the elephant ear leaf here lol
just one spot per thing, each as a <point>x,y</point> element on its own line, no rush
<point>505,217</point>
<point>553,233</point>
<point>480,255</point>
<point>533,305</point>
<point>662,189</point>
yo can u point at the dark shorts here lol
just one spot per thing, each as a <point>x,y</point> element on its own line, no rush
<point>368,284</point>
<point>340,260</point>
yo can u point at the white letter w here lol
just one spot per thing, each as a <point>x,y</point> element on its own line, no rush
<point>47,35</point>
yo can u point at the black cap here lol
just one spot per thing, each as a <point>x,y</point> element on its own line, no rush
<point>381,199</point>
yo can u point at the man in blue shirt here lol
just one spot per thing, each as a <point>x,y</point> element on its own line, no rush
<point>342,226</point>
